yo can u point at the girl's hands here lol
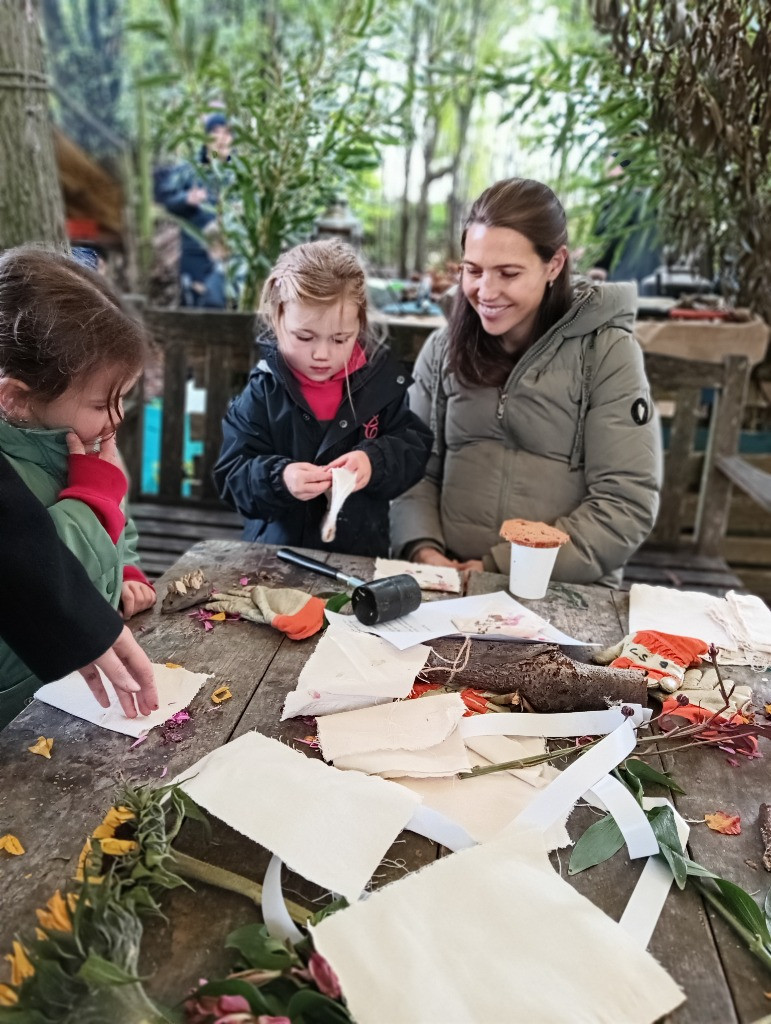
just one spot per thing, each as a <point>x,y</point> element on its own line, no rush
<point>356,462</point>
<point>108,449</point>
<point>473,565</point>
<point>305,481</point>
<point>136,597</point>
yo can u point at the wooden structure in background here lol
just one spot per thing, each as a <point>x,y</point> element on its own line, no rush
<point>93,198</point>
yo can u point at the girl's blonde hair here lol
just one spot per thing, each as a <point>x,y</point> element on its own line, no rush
<point>321,273</point>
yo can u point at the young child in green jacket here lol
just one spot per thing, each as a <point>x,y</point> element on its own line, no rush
<point>69,353</point>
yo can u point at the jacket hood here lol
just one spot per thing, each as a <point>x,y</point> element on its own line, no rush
<point>599,305</point>
<point>45,448</point>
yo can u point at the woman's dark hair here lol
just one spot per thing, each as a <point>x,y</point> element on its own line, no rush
<point>477,358</point>
<point>61,322</point>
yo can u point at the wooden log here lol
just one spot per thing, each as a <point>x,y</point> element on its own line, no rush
<point>764,820</point>
<point>549,680</point>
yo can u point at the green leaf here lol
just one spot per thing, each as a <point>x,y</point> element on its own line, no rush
<point>258,948</point>
<point>95,971</point>
<point>744,908</point>
<point>767,909</point>
<point>662,821</point>
<point>330,908</point>
<point>310,1007</point>
<point>600,842</point>
<point>338,601</point>
<point>645,773</point>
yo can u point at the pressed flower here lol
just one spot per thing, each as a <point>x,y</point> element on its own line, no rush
<point>21,967</point>
<point>8,996</point>
<point>56,916</point>
<point>42,746</point>
<point>11,844</point>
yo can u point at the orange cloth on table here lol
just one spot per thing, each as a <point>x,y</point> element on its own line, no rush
<point>661,654</point>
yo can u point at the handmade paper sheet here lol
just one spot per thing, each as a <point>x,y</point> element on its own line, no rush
<point>437,618</point>
<point>401,725</point>
<point>429,577</point>
<point>176,688</point>
<point>349,670</point>
<point>329,826</point>
<point>445,758</point>
<point>491,934</point>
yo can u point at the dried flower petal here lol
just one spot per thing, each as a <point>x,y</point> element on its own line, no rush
<point>220,694</point>
<point>56,916</point>
<point>626,711</point>
<point>8,996</point>
<point>219,617</point>
<point>726,824</point>
<point>244,581</point>
<point>11,844</point>
<point>325,978</point>
<point>21,966</point>
<point>172,664</point>
<point>42,746</point>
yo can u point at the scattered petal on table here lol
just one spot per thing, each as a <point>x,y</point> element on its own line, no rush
<point>11,844</point>
<point>220,694</point>
<point>727,824</point>
<point>42,746</point>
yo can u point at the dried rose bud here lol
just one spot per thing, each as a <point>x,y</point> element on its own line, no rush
<point>713,651</point>
<point>626,711</point>
<point>682,700</point>
<point>581,741</point>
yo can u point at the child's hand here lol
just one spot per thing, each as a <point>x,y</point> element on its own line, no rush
<point>473,565</point>
<point>430,556</point>
<point>356,462</point>
<point>107,449</point>
<point>305,481</point>
<point>136,597</point>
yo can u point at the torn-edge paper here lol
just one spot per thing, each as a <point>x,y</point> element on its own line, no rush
<point>491,934</point>
<point>343,485</point>
<point>442,578</point>
<point>329,826</point>
<point>437,618</point>
<point>349,670</point>
<point>176,689</point>
<point>401,725</point>
<point>448,757</point>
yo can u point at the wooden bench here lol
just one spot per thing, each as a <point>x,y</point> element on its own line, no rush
<point>701,400</point>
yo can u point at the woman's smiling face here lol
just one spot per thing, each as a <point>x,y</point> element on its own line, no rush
<point>504,280</point>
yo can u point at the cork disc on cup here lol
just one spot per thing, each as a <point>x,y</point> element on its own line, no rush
<point>533,535</point>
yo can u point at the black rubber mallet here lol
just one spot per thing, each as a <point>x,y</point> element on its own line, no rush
<point>378,601</point>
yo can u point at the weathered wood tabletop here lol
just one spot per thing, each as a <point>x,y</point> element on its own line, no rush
<point>53,805</point>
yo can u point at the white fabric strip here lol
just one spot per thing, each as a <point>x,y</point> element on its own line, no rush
<point>629,816</point>
<point>643,910</point>
<point>274,913</point>
<point>439,828</point>
<point>574,723</point>
<point>570,785</point>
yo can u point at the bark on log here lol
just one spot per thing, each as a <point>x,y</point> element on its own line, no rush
<point>549,680</point>
<point>764,820</point>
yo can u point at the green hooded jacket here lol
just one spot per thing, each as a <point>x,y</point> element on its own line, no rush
<point>40,458</point>
<point>571,439</point>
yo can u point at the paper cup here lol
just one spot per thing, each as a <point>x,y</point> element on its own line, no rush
<point>531,570</point>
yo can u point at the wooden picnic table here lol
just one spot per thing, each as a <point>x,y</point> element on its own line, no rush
<point>53,805</point>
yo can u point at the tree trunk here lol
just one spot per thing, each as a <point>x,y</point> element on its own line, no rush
<point>422,212</point>
<point>404,223</point>
<point>454,200</point>
<point>31,207</point>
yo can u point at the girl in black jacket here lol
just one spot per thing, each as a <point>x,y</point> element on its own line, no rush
<point>324,396</point>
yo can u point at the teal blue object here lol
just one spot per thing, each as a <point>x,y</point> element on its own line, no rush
<point>151,449</point>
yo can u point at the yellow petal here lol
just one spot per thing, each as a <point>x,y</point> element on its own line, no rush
<point>72,901</point>
<point>56,916</point>
<point>220,694</point>
<point>11,844</point>
<point>219,617</point>
<point>42,746</point>
<point>115,816</point>
<point>172,664</point>
<point>118,847</point>
<point>80,871</point>
<point>8,996</point>
<point>21,967</point>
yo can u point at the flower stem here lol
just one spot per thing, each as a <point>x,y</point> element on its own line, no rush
<point>201,871</point>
